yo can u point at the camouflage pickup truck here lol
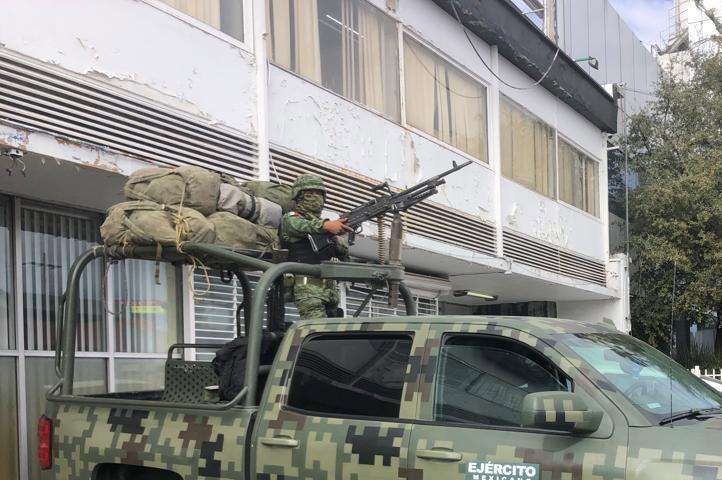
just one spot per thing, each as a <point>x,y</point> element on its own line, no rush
<point>459,397</point>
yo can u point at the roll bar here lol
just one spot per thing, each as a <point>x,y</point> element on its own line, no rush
<point>213,256</point>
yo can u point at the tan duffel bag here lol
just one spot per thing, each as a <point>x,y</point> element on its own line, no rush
<point>237,232</point>
<point>194,187</point>
<point>149,223</point>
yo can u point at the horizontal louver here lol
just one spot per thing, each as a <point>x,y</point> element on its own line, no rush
<point>378,305</point>
<point>554,259</point>
<point>65,106</point>
<point>431,220</point>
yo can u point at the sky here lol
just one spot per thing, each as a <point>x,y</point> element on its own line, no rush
<point>647,18</point>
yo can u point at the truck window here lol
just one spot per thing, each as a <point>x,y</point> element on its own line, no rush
<point>483,379</point>
<point>360,375</point>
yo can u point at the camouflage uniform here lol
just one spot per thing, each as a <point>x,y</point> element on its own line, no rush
<point>313,298</point>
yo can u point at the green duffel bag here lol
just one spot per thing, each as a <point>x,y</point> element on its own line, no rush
<point>274,192</point>
<point>234,231</point>
<point>196,187</point>
<point>148,223</point>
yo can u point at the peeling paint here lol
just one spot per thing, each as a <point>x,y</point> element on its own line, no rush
<point>513,216</point>
<point>551,229</point>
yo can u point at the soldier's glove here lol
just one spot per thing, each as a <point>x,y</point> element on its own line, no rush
<point>336,227</point>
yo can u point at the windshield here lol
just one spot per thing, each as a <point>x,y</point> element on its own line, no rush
<point>643,374</point>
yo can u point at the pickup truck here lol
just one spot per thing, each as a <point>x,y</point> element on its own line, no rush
<point>407,397</point>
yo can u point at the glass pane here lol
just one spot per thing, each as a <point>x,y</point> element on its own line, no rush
<point>527,149</point>
<point>8,420</point>
<point>138,374</point>
<point>443,101</point>
<point>50,243</point>
<point>484,380</point>
<point>145,306</point>
<point>224,15</point>
<point>348,46</point>
<point>7,306</point>
<point>90,378</point>
<point>591,181</point>
<point>351,375</point>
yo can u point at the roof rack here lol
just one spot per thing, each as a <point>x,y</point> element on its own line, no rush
<point>212,256</point>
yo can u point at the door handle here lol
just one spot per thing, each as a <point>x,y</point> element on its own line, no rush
<point>442,455</point>
<point>279,442</point>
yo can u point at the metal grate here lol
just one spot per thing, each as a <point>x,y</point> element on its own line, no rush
<point>378,306</point>
<point>347,190</point>
<point>41,99</point>
<point>554,259</point>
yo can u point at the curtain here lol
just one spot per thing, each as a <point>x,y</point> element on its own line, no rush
<point>444,102</point>
<point>523,132</point>
<point>207,11</point>
<point>371,49</point>
<point>507,143</point>
<point>527,149</point>
<point>419,71</point>
<point>294,36</point>
<point>591,184</point>
<point>467,113</point>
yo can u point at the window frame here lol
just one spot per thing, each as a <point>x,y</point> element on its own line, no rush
<point>563,138</point>
<point>399,28</point>
<point>247,42</point>
<point>483,426</point>
<point>555,193</point>
<point>312,413</point>
<point>485,84</point>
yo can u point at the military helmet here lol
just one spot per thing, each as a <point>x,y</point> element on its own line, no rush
<point>308,181</point>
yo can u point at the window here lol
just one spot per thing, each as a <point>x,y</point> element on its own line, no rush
<point>348,46</point>
<point>578,179</point>
<point>351,375</point>
<point>8,419</point>
<point>528,149</point>
<point>7,309</point>
<point>484,380</point>
<point>223,15</point>
<point>443,101</point>
<point>50,242</point>
<point>145,306</point>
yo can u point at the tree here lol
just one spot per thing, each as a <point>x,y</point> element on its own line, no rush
<point>676,210</point>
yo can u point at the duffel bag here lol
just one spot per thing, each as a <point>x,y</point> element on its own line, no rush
<point>274,192</point>
<point>237,232</point>
<point>148,223</point>
<point>194,187</point>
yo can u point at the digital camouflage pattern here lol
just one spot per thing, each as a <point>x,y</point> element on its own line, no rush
<point>312,300</point>
<point>196,445</point>
<point>211,445</point>
<point>557,411</point>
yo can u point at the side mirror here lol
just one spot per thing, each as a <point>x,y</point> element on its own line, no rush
<point>561,411</point>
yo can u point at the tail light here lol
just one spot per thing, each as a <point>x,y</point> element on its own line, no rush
<point>45,439</point>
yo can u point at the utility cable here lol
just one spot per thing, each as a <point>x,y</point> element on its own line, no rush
<point>515,87</point>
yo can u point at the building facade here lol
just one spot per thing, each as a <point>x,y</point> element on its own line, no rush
<point>358,91</point>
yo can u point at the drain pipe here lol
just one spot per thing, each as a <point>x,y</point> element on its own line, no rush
<point>260,52</point>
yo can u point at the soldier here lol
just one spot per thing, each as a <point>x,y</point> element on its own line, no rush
<point>315,298</point>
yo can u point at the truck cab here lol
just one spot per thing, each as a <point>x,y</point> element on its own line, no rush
<point>457,397</point>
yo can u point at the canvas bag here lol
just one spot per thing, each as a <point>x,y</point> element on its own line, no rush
<point>237,232</point>
<point>196,187</point>
<point>149,223</point>
<point>274,192</point>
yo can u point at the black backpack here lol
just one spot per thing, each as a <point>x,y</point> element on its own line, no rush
<point>230,363</point>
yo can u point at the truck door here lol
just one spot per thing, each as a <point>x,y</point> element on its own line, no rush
<point>339,403</point>
<point>470,416</point>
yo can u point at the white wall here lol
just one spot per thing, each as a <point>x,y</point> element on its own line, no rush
<point>140,48</point>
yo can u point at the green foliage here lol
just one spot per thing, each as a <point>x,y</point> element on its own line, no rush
<point>676,210</point>
<point>702,357</point>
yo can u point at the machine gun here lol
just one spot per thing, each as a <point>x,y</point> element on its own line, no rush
<point>376,209</point>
